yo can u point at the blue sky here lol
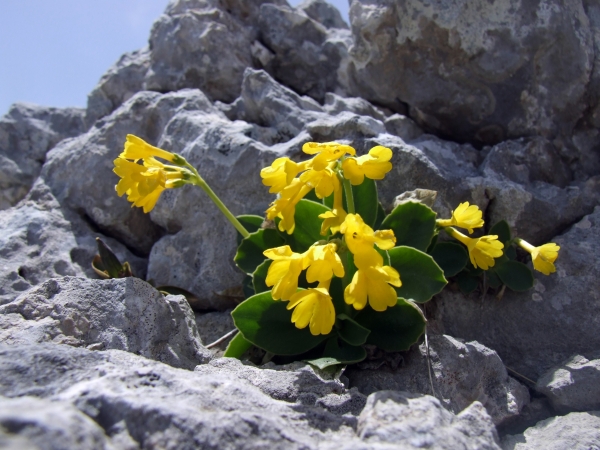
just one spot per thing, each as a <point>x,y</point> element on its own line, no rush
<point>53,52</point>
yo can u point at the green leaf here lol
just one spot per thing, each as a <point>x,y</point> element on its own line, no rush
<point>250,252</point>
<point>380,216</point>
<point>259,277</point>
<point>396,328</point>
<point>421,277</point>
<point>247,286</point>
<point>502,230</point>
<point>366,201</point>
<point>510,252</point>
<point>312,196</point>
<point>351,331</point>
<point>492,279</point>
<point>267,324</point>
<point>413,224</point>
<point>342,352</point>
<point>237,347</point>
<point>308,226</point>
<point>250,222</point>
<point>110,263</point>
<point>467,282</point>
<point>451,257</point>
<point>515,275</point>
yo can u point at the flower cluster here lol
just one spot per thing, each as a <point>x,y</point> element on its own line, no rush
<point>293,181</point>
<point>484,249</point>
<point>314,306</point>
<point>325,173</point>
<point>143,183</point>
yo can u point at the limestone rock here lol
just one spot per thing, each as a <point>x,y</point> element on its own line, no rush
<point>575,430</point>
<point>125,314</point>
<point>40,240</point>
<point>418,421</point>
<point>32,423</point>
<point>574,385</point>
<point>536,330</point>
<point>481,71</point>
<point>138,403</point>
<point>461,374</point>
<point>323,12</point>
<point>27,132</point>
<point>124,79</point>
<point>306,55</point>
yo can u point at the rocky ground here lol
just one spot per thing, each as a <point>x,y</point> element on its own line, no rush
<point>497,103</point>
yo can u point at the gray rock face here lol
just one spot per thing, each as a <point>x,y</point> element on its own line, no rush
<point>461,374</point>
<point>27,132</point>
<point>575,430</point>
<point>415,421</point>
<point>140,403</point>
<point>40,240</point>
<point>536,330</point>
<point>306,55</point>
<point>125,314</point>
<point>118,84</point>
<point>32,423</point>
<point>187,44</point>
<point>323,12</point>
<point>482,71</point>
<point>572,386</point>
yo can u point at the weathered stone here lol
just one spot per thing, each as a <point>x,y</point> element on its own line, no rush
<point>536,330</point>
<point>574,385</point>
<point>480,71</point>
<point>125,314</point>
<point>213,325</point>
<point>420,421</point>
<point>323,12</point>
<point>32,423</point>
<point>305,58</point>
<point>27,132</point>
<point>575,430</point>
<point>124,79</point>
<point>403,126</point>
<point>461,374</point>
<point>527,160</point>
<point>187,44</point>
<point>142,403</point>
<point>145,115</point>
<point>40,240</point>
<point>335,104</point>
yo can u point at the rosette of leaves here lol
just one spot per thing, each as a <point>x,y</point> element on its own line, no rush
<point>266,324</point>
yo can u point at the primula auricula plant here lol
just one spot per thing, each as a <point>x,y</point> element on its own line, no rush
<point>329,271</point>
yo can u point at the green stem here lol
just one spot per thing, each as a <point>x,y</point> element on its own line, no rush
<point>349,196</point>
<point>199,181</point>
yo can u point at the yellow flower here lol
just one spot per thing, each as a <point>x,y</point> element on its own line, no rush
<point>324,263</point>
<point>323,181</point>
<point>285,206</point>
<point>360,236</point>
<point>464,216</point>
<point>543,257</point>
<point>144,184</point>
<point>313,307</point>
<point>281,173</point>
<point>333,219</point>
<point>326,153</point>
<point>372,282</point>
<point>374,165</point>
<point>482,251</point>
<point>284,271</point>
<point>136,148</point>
